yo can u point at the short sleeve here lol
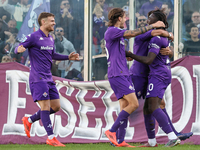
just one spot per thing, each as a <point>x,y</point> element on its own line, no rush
<point>155,44</point>
<point>116,33</point>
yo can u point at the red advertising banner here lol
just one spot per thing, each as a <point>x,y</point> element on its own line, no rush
<point>90,108</point>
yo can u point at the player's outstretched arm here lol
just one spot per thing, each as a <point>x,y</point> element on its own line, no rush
<point>143,59</point>
<point>73,56</point>
<point>138,31</point>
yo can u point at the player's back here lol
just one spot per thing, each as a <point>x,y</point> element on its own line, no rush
<point>140,48</point>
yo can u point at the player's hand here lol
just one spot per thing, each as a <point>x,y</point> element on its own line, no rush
<point>73,56</point>
<point>21,49</point>
<point>158,24</point>
<point>129,58</point>
<point>171,36</point>
<point>165,51</point>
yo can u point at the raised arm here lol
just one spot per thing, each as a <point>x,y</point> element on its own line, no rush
<point>138,31</point>
<point>160,32</point>
<point>143,59</point>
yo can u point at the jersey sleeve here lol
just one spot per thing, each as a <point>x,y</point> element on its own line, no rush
<point>155,45</point>
<point>145,36</point>
<point>116,33</point>
<point>28,42</point>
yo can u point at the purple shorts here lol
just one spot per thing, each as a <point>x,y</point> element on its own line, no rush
<point>140,84</point>
<point>121,85</point>
<point>43,91</point>
<point>156,87</point>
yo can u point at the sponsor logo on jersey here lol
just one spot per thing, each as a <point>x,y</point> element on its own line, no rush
<point>41,38</point>
<point>46,48</point>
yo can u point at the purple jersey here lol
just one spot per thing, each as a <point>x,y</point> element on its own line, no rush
<point>41,52</point>
<point>160,67</point>
<point>115,48</point>
<point>140,48</point>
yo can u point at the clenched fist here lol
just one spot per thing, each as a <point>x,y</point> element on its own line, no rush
<point>21,49</point>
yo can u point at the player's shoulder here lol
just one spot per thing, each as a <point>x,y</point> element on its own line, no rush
<point>158,38</point>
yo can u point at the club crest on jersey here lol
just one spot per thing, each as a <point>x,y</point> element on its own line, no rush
<point>45,94</point>
<point>131,87</point>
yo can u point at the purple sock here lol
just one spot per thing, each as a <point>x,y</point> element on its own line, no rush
<point>149,121</point>
<point>164,110</point>
<point>162,120</point>
<point>46,121</point>
<point>123,115</point>
<point>121,131</point>
<point>36,116</point>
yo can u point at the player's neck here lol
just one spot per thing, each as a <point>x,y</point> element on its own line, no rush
<point>44,31</point>
<point>117,24</point>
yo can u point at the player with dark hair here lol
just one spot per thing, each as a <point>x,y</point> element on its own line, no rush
<point>158,80</point>
<point>139,74</point>
<point>118,72</point>
<point>40,45</point>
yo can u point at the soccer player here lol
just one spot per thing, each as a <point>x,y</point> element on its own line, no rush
<point>139,74</point>
<point>159,79</point>
<point>40,45</point>
<point>118,72</point>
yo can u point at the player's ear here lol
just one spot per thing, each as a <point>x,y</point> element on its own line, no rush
<point>43,21</point>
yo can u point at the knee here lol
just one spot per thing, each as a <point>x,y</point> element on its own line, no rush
<point>134,105</point>
<point>56,108</point>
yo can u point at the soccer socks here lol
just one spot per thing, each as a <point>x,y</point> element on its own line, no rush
<point>164,110</point>
<point>46,121</point>
<point>162,120</point>
<point>122,117</point>
<point>149,121</point>
<point>121,131</point>
<point>36,116</point>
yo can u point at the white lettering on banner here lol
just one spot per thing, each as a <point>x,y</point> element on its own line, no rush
<point>68,109</point>
<point>83,129</point>
<point>184,78</point>
<point>13,77</point>
<point>110,108</point>
<point>196,124</point>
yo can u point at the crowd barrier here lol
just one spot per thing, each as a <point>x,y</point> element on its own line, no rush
<point>90,108</point>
